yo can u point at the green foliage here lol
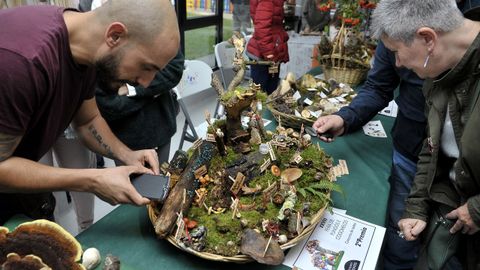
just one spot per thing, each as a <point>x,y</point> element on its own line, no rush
<point>262,96</point>
<point>320,190</point>
<point>218,124</point>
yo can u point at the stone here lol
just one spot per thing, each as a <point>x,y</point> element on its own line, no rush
<point>254,244</point>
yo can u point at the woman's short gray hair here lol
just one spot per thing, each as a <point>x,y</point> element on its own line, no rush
<point>400,19</point>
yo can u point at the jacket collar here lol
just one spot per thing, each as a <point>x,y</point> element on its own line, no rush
<point>468,65</point>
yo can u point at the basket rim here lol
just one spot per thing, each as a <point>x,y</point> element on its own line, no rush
<point>241,258</point>
<point>346,58</point>
<point>291,116</point>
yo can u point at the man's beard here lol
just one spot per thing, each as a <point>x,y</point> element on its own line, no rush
<point>107,74</point>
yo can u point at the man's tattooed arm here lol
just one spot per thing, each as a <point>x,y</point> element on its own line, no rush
<point>99,139</point>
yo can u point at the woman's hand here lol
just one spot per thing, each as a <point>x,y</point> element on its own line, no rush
<point>411,228</point>
<point>464,221</point>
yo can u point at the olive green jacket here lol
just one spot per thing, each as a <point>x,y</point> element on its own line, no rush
<point>458,90</point>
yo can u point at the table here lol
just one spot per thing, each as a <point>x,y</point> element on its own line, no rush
<point>127,232</point>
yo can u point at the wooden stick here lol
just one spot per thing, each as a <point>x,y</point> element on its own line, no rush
<point>266,248</point>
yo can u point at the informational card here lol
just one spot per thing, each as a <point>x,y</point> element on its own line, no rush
<point>391,110</point>
<point>339,242</point>
<point>374,129</point>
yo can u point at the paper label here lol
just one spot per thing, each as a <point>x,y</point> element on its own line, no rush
<point>297,96</point>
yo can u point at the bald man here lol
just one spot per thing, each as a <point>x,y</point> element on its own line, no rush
<point>50,60</point>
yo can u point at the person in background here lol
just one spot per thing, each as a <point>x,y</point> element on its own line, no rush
<point>241,16</point>
<point>432,38</point>
<point>70,152</point>
<point>408,133</point>
<point>315,16</point>
<point>145,118</point>
<point>268,42</point>
<point>49,65</point>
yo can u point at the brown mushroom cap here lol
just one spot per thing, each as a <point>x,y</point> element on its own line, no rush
<point>290,175</point>
<point>275,170</point>
<point>15,261</point>
<point>45,239</point>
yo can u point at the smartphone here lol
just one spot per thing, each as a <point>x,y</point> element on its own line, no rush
<point>153,187</point>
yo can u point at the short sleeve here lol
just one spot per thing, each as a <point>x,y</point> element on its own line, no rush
<point>19,92</point>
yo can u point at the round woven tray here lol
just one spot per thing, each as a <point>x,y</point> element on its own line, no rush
<point>238,258</point>
<point>289,120</point>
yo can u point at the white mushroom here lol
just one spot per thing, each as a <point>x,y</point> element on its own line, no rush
<point>91,258</point>
<point>282,239</point>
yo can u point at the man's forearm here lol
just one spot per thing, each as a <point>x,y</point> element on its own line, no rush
<point>99,138</point>
<point>22,175</point>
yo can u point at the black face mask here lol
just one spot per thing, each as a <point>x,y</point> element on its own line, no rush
<point>107,74</point>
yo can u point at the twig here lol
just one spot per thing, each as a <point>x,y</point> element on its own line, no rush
<point>266,248</point>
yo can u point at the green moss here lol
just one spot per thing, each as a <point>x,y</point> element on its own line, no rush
<point>262,96</point>
<point>218,124</point>
<point>222,228</point>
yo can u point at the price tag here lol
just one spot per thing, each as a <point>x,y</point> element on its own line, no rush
<point>297,96</point>
<point>333,100</point>
<point>265,165</point>
<point>210,138</point>
<point>341,99</point>
<point>180,227</point>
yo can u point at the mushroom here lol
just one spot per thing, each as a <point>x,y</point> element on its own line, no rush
<point>111,263</point>
<point>290,77</point>
<point>15,261</point>
<point>275,170</point>
<point>44,239</point>
<point>291,175</point>
<point>91,258</point>
<point>306,114</point>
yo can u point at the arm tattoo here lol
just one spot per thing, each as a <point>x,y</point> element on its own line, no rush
<point>100,141</point>
<point>8,144</point>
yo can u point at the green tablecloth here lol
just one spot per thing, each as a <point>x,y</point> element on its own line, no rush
<point>126,232</point>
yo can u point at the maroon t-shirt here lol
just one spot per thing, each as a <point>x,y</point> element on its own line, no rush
<point>41,87</point>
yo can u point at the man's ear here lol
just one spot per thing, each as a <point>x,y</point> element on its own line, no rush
<point>116,32</point>
<point>428,37</point>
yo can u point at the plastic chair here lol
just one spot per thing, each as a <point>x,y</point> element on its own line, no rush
<point>224,53</point>
<point>197,77</point>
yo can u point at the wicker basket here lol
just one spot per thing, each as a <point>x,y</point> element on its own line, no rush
<point>345,75</point>
<point>239,258</point>
<point>289,120</point>
<point>340,65</point>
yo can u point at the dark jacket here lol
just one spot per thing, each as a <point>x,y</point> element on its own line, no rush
<point>458,89</point>
<point>85,5</point>
<point>244,2</point>
<point>148,119</point>
<point>378,90</point>
<point>315,18</point>
<point>269,37</point>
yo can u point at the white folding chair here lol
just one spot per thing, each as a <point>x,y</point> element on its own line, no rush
<point>224,53</point>
<point>197,76</point>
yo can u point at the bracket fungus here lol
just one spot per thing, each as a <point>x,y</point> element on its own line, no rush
<point>40,241</point>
